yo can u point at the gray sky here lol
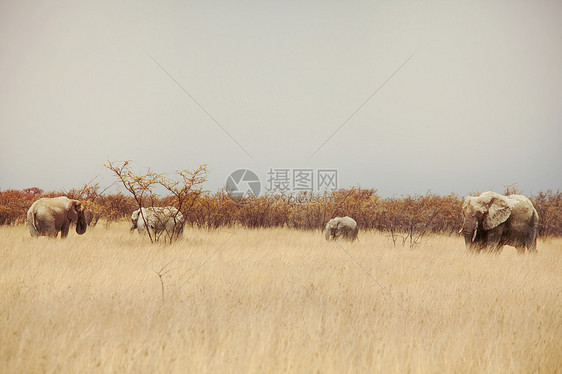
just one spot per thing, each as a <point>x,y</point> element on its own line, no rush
<point>477,107</point>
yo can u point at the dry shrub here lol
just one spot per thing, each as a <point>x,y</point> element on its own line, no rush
<point>14,204</point>
<point>411,216</point>
<point>549,207</point>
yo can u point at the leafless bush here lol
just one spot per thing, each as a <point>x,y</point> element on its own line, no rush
<point>184,188</point>
<point>406,219</point>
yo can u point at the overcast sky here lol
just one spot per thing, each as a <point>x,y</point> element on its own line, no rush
<point>472,99</point>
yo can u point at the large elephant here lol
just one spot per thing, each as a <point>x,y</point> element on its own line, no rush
<point>47,216</point>
<point>344,227</point>
<point>158,220</point>
<point>492,220</point>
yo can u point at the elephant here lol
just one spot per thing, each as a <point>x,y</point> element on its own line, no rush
<point>344,227</point>
<point>492,220</point>
<point>47,216</point>
<point>159,220</point>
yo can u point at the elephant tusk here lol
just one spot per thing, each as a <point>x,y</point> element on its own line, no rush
<point>460,231</point>
<point>474,235</point>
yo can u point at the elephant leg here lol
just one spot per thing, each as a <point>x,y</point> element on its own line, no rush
<point>179,230</point>
<point>64,230</point>
<point>498,248</point>
<point>532,244</point>
<point>494,239</point>
<point>153,232</point>
<point>520,249</point>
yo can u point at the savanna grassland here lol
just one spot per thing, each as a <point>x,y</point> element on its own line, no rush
<point>274,300</point>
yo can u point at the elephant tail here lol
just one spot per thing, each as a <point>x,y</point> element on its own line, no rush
<point>32,223</point>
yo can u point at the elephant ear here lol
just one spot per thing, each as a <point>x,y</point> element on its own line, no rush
<point>71,210</point>
<point>499,212</point>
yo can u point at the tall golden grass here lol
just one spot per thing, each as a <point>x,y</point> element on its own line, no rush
<point>274,301</point>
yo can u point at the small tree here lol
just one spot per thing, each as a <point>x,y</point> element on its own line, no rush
<point>511,189</point>
<point>184,190</point>
<point>140,186</point>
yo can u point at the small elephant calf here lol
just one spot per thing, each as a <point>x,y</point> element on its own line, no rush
<point>344,227</point>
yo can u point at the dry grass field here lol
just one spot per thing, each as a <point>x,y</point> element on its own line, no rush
<point>274,300</point>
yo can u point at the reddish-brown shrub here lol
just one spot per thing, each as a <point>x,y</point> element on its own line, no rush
<point>417,214</point>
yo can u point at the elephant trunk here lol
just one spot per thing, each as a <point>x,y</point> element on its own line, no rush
<point>81,224</point>
<point>468,235</point>
<point>469,231</point>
